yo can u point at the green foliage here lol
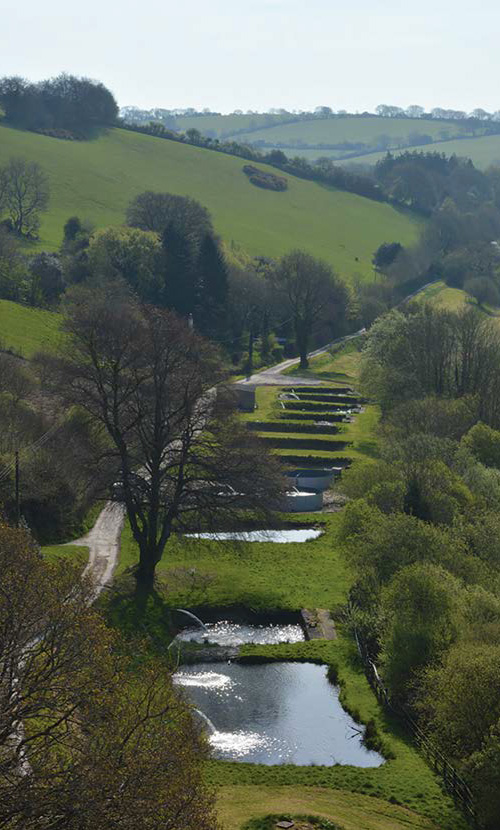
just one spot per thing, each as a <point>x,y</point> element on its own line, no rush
<point>132,254</point>
<point>461,698</point>
<point>484,443</point>
<point>381,545</point>
<point>483,770</point>
<point>443,417</point>
<point>421,616</point>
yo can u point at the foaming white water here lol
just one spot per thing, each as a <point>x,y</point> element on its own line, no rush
<point>204,680</point>
<point>227,633</point>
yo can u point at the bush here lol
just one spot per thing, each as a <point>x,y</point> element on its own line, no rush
<point>268,181</point>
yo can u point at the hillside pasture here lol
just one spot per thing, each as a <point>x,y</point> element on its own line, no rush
<point>26,331</point>
<point>364,129</point>
<point>483,150</point>
<point>96,180</point>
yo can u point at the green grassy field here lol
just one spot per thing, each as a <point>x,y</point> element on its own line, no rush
<point>455,299</point>
<point>352,811</point>
<point>97,179</point>
<point>26,330</point>
<point>359,129</point>
<point>483,150</point>
<point>225,125</point>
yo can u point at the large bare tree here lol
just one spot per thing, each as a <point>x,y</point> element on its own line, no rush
<point>155,387</point>
<point>87,740</point>
<point>25,189</point>
<point>313,295</point>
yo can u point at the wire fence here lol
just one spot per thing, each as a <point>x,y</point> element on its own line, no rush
<point>456,786</point>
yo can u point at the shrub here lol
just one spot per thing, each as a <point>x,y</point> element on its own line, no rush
<point>268,181</point>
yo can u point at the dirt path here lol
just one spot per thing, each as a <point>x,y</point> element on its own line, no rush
<point>103,542</point>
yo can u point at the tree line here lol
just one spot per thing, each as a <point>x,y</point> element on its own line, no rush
<point>65,102</point>
<point>422,528</point>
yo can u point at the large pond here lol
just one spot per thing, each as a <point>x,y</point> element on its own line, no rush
<point>227,633</point>
<point>274,713</point>
<point>280,537</point>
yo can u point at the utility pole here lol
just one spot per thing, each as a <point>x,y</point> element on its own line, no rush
<point>18,500</point>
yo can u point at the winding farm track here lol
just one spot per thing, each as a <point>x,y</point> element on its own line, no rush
<point>103,542</point>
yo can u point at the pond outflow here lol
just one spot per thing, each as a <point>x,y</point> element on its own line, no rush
<point>232,634</point>
<point>274,713</point>
<point>279,537</point>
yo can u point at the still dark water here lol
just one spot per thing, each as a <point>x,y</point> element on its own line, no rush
<point>274,713</point>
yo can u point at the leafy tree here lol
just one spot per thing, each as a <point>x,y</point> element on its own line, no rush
<point>443,417</point>
<point>483,772</point>
<point>87,739</point>
<point>148,381</point>
<point>47,280</point>
<point>12,267</point>
<point>26,195</point>
<point>421,613</point>
<point>385,254</point>
<point>72,227</point>
<point>483,290</point>
<point>380,545</point>
<point>134,255</point>
<point>460,699</point>
<point>152,211</point>
<point>484,443</point>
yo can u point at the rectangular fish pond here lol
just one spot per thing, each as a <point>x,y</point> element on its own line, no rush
<point>279,537</point>
<point>274,713</point>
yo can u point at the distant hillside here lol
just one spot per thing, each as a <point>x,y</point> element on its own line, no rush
<point>483,150</point>
<point>364,130</point>
<point>97,179</point>
<point>336,137</point>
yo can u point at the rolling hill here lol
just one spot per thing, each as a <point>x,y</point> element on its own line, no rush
<point>353,129</point>
<point>96,179</point>
<point>483,150</point>
<point>306,137</point>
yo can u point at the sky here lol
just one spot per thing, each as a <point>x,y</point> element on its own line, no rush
<point>258,54</point>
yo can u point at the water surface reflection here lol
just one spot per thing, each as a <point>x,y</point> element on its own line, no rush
<point>274,713</point>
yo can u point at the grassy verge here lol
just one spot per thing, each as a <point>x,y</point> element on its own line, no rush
<point>351,811</point>
<point>77,553</point>
<point>27,330</point>
<point>341,366</point>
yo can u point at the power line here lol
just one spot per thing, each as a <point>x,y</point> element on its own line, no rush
<point>31,448</point>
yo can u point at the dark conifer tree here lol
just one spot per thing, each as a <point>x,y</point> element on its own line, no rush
<point>213,281</point>
<point>180,283</point>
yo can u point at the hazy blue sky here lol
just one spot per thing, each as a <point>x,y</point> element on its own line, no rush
<point>256,54</point>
